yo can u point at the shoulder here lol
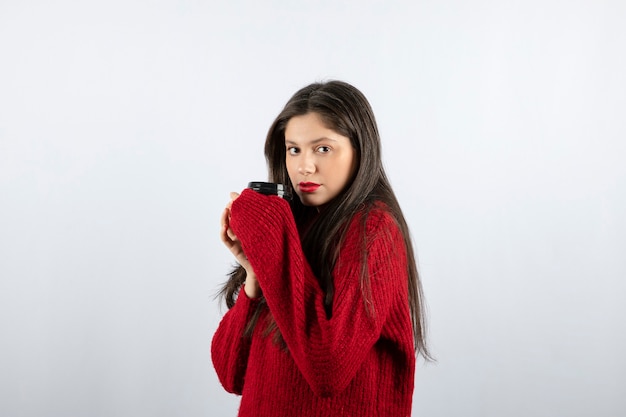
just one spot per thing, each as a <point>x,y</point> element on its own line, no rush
<point>374,234</point>
<point>374,222</point>
<point>379,216</point>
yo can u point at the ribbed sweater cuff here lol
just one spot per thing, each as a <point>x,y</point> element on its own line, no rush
<point>252,212</point>
<point>263,223</point>
<point>244,302</point>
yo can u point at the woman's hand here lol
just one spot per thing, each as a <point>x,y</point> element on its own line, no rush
<point>251,286</point>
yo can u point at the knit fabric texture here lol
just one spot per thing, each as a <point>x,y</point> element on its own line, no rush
<point>360,362</point>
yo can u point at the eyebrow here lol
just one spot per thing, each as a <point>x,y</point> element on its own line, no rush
<point>313,142</point>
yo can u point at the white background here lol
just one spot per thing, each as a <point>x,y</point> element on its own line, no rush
<point>124,125</point>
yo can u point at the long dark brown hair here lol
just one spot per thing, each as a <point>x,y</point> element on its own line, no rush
<point>344,109</point>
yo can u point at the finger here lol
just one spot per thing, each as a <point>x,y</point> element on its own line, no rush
<point>233,196</point>
<point>225,218</point>
<point>231,235</point>
<point>225,228</point>
<point>224,236</point>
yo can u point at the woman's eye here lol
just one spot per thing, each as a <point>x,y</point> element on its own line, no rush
<point>292,151</point>
<point>323,149</point>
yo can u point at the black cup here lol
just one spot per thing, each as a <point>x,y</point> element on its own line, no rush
<point>270,188</point>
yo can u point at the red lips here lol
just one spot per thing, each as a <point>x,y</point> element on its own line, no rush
<point>308,187</point>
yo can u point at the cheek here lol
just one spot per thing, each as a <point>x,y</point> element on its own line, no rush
<point>353,166</point>
<point>349,166</point>
<point>291,171</point>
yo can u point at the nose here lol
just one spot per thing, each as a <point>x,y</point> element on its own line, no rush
<point>306,165</point>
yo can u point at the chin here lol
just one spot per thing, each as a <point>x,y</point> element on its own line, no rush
<point>310,202</point>
<point>307,203</point>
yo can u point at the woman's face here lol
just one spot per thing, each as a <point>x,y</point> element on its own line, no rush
<point>320,162</point>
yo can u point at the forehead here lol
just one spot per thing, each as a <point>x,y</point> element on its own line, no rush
<point>310,127</point>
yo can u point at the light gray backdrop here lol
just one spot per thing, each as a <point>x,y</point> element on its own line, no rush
<point>124,125</point>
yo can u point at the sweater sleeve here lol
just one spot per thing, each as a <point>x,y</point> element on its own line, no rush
<point>229,347</point>
<point>328,352</point>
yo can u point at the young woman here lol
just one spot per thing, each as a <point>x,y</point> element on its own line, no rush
<point>325,310</point>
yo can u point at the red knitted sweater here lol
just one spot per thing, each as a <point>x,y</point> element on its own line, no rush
<point>360,362</point>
